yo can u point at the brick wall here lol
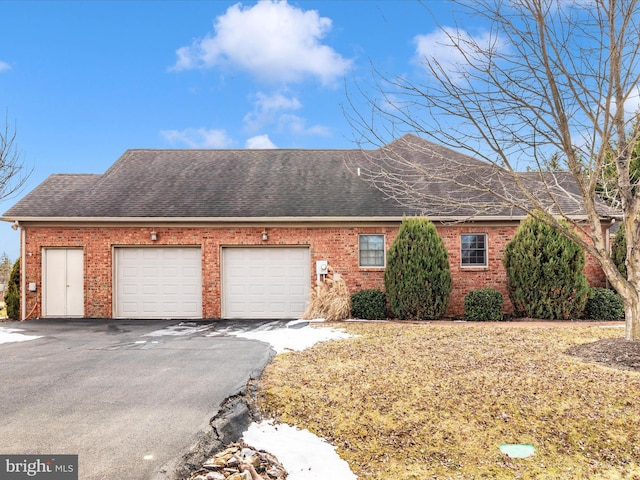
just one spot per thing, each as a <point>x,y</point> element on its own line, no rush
<point>338,245</point>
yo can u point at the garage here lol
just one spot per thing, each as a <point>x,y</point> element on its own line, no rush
<point>158,282</point>
<point>265,282</point>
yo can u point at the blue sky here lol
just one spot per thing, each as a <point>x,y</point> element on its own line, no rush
<point>82,82</point>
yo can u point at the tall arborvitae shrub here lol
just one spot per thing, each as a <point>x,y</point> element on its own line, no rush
<point>545,274</point>
<point>417,278</point>
<point>619,251</point>
<point>12,297</point>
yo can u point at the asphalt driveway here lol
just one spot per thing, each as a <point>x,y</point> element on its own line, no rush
<point>131,398</point>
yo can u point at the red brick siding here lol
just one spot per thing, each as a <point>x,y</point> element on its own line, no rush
<point>338,245</point>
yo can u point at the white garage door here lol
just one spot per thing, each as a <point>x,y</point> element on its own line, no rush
<point>158,283</point>
<point>265,282</point>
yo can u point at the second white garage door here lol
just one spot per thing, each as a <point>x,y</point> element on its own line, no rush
<point>158,282</point>
<point>265,282</point>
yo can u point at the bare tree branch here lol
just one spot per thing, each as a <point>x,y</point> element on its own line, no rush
<point>12,173</point>
<point>548,84</point>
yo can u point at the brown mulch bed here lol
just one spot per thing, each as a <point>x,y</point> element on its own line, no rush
<point>612,352</point>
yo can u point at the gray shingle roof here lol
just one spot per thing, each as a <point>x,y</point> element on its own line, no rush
<point>210,184</point>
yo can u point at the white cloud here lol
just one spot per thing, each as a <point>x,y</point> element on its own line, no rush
<point>275,109</point>
<point>298,125</point>
<point>4,66</point>
<point>448,47</point>
<point>267,107</point>
<point>632,105</point>
<point>273,40</point>
<point>198,138</point>
<point>260,142</point>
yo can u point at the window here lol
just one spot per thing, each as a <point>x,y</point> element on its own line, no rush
<point>371,251</point>
<point>473,250</point>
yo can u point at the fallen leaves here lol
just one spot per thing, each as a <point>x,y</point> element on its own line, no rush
<point>430,401</point>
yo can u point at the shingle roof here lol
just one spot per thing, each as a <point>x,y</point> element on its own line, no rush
<point>210,184</point>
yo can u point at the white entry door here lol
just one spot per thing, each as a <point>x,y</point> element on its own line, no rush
<point>63,282</point>
<point>263,282</point>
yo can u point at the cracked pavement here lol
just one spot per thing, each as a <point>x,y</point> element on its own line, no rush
<point>133,398</point>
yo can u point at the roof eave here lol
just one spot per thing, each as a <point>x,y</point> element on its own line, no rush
<point>261,220</point>
<point>283,219</point>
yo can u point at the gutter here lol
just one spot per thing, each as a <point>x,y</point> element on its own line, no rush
<point>254,220</point>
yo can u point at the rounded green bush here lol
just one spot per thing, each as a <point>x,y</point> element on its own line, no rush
<point>604,304</point>
<point>545,276</point>
<point>369,304</point>
<point>483,305</point>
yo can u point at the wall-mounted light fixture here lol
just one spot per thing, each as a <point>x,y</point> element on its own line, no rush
<point>154,235</point>
<point>265,237</point>
<point>15,225</point>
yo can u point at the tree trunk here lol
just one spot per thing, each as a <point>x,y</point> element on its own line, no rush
<point>632,317</point>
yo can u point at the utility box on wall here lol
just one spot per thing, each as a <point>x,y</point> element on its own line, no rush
<point>322,267</point>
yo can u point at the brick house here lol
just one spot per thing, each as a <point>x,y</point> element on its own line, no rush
<point>232,234</point>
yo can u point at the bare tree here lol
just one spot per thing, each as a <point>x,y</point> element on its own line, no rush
<point>549,83</point>
<point>12,172</point>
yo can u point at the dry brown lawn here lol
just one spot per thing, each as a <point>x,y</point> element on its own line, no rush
<point>420,401</point>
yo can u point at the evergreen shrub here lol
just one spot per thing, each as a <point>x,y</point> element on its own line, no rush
<point>483,305</point>
<point>619,251</point>
<point>604,304</point>
<point>12,297</point>
<point>417,278</point>
<point>369,304</point>
<point>545,275</point>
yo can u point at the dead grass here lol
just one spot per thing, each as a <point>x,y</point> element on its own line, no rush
<point>408,401</point>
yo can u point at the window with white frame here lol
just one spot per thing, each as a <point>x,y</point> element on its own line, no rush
<point>473,249</point>
<point>371,251</point>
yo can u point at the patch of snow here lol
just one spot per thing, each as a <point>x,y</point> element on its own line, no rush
<point>8,335</point>
<point>303,455</point>
<point>295,336</point>
<point>181,329</point>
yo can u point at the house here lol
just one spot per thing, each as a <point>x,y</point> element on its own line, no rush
<point>238,233</point>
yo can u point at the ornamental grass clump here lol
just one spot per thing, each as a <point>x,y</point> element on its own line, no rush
<point>329,300</point>
<point>417,278</point>
<point>545,275</point>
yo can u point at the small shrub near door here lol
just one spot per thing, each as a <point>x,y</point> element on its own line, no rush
<point>483,305</point>
<point>604,304</point>
<point>369,304</point>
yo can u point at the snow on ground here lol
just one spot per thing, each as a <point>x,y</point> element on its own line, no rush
<point>11,335</point>
<point>303,455</point>
<point>295,336</point>
<point>179,330</point>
